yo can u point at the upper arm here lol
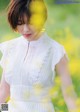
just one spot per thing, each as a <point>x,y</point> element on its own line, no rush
<point>4,90</point>
<point>60,57</point>
<point>4,86</point>
<point>62,66</point>
<point>63,72</point>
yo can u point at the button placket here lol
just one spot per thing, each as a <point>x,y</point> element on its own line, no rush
<point>27,51</point>
<point>24,60</point>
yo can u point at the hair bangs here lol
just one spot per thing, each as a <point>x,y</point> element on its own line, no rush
<point>19,17</point>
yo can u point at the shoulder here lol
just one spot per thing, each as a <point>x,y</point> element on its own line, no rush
<point>58,49</point>
<point>56,46</point>
<point>8,44</point>
<point>7,48</point>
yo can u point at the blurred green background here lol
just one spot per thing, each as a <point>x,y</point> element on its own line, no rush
<point>63,25</point>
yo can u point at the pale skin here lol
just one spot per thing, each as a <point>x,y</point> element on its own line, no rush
<point>61,68</point>
<point>70,97</point>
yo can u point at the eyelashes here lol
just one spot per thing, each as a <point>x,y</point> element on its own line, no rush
<point>20,22</point>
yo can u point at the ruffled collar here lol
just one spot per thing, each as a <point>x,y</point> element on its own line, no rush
<point>41,40</point>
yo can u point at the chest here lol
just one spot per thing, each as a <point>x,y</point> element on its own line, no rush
<point>30,66</point>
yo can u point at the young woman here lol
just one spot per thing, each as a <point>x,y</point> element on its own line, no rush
<point>30,61</point>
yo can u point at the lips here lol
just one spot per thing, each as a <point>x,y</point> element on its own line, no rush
<point>27,35</point>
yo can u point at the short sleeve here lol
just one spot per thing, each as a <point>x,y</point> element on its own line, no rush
<point>7,48</point>
<point>58,52</point>
<point>3,51</point>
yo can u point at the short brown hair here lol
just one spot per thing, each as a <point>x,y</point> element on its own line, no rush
<point>17,9</point>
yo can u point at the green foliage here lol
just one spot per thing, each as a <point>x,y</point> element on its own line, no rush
<point>3,4</point>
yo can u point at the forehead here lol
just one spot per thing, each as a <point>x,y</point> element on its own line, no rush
<point>23,18</point>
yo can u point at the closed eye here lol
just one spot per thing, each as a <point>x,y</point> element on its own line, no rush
<point>20,22</point>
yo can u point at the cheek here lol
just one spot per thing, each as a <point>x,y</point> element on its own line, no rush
<point>20,29</point>
<point>33,28</point>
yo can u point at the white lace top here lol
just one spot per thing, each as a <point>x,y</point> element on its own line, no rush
<point>28,65</point>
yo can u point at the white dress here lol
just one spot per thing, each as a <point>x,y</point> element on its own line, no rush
<point>29,69</point>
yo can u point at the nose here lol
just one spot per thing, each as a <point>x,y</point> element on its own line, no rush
<point>25,28</point>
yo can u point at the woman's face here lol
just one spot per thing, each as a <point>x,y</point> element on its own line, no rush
<point>29,31</point>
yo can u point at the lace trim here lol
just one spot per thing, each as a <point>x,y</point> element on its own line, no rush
<point>35,79</point>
